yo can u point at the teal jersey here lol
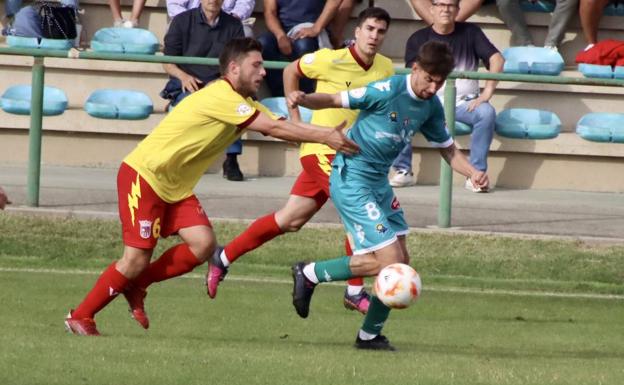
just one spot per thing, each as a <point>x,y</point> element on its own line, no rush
<point>390,115</point>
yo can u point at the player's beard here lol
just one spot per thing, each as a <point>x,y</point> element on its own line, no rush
<point>248,88</point>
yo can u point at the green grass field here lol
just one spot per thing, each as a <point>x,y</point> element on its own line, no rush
<point>493,311</point>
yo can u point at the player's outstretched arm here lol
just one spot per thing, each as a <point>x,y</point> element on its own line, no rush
<point>302,132</point>
<point>315,101</point>
<point>291,84</point>
<point>458,162</point>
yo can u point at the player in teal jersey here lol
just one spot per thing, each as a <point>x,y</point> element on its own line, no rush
<point>391,112</point>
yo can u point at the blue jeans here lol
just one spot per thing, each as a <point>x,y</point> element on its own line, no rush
<point>234,148</point>
<point>482,120</point>
<point>27,23</point>
<point>12,6</point>
<point>270,51</point>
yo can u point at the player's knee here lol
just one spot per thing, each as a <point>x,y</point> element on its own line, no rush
<point>202,249</point>
<point>293,225</point>
<point>365,264</point>
<point>132,264</point>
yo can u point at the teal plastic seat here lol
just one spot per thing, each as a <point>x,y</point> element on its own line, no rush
<point>601,127</point>
<point>33,42</point>
<point>462,128</point>
<point>16,100</point>
<point>119,104</point>
<point>125,40</point>
<point>614,9</point>
<point>537,6</point>
<point>526,123</point>
<point>601,71</point>
<point>532,60</point>
<point>277,106</point>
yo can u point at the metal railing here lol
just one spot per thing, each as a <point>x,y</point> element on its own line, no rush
<point>446,173</point>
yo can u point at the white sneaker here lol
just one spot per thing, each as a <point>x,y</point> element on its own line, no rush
<point>552,48</point>
<point>118,23</point>
<point>130,24</point>
<point>402,178</point>
<point>469,186</point>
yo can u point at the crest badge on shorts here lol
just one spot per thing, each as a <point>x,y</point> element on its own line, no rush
<point>145,229</point>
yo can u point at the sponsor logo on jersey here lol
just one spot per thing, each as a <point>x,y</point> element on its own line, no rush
<point>145,229</point>
<point>308,59</point>
<point>384,135</point>
<point>393,116</point>
<point>348,84</point>
<point>358,92</point>
<point>243,109</point>
<point>395,205</point>
<point>381,229</point>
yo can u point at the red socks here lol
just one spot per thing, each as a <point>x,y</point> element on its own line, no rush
<point>358,281</point>
<point>107,287</point>
<point>176,261</point>
<point>260,231</point>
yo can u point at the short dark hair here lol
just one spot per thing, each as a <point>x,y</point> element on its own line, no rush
<point>236,48</point>
<point>373,13</point>
<point>436,58</point>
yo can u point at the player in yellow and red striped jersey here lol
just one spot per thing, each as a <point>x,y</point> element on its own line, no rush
<point>334,70</point>
<point>156,180</point>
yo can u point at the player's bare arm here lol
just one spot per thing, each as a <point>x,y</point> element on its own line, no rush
<point>302,132</point>
<point>458,162</point>
<point>291,84</point>
<point>315,101</point>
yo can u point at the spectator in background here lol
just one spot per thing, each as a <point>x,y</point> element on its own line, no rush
<point>469,46</point>
<point>201,32</point>
<point>590,12</point>
<point>339,22</point>
<point>513,16</point>
<point>468,8</point>
<point>27,21</point>
<point>295,28</point>
<point>4,199</point>
<point>240,9</point>
<point>133,21</point>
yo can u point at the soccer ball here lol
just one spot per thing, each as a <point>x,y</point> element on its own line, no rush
<point>397,285</point>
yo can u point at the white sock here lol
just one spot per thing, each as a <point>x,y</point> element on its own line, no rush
<point>308,271</point>
<point>224,259</point>
<point>354,290</point>
<point>366,336</point>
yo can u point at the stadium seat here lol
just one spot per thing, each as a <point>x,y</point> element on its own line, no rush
<point>537,6</point>
<point>462,129</point>
<point>601,127</point>
<point>614,9</point>
<point>125,40</point>
<point>532,60</point>
<point>525,123</point>
<point>33,42</point>
<point>16,100</point>
<point>601,71</point>
<point>278,107</point>
<point>119,104</point>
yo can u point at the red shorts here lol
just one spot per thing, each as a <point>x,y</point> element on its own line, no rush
<point>145,216</point>
<point>313,181</point>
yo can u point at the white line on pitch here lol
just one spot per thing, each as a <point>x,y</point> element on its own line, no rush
<point>443,289</point>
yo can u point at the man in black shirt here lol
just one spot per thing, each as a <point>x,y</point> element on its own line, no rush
<point>469,46</point>
<point>203,32</point>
